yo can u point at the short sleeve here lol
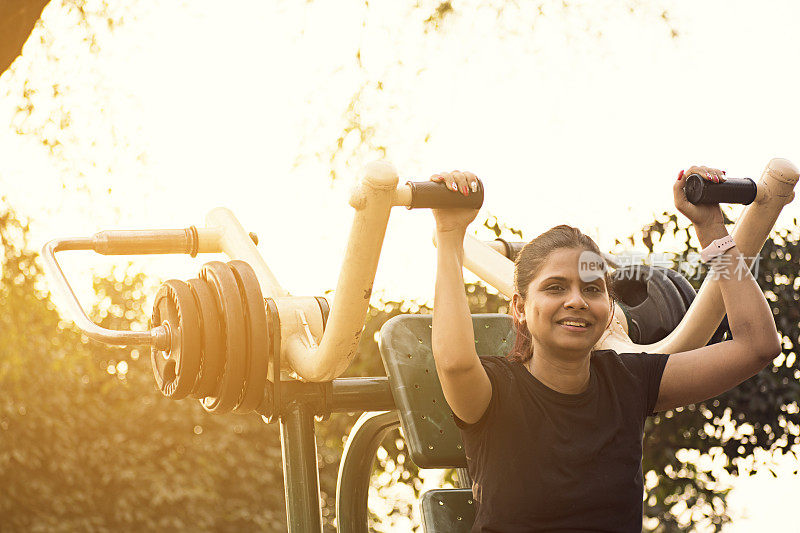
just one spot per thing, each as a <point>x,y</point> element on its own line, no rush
<point>648,368</point>
<point>501,378</point>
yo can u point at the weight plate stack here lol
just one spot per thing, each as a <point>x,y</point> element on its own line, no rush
<point>224,340</point>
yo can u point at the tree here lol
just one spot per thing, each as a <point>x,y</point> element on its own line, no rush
<point>17,18</point>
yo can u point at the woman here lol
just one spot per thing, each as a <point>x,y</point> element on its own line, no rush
<point>553,433</point>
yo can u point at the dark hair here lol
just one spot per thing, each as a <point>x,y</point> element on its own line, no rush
<point>529,262</point>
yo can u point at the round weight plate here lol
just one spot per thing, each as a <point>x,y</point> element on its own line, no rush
<point>229,304</point>
<point>682,284</point>
<point>655,304</point>
<point>688,293</point>
<point>674,307</point>
<point>176,369</point>
<point>256,325</point>
<point>213,352</point>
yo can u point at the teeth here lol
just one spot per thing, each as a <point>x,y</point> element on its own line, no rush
<point>569,323</point>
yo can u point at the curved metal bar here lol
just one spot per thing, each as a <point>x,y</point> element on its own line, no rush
<point>158,336</point>
<point>775,190</point>
<point>236,243</point>
<point>306,350</point>
<point>355,468</point>
<point>372,199</point>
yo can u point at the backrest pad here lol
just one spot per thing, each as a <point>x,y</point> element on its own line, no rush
<point>433,439</point>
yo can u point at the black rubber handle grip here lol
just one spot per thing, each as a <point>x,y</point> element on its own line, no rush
<point>435,194</point>
<point>731,191</point>
<point>512,248</point>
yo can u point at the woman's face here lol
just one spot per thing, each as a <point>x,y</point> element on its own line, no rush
<point>558,293</point>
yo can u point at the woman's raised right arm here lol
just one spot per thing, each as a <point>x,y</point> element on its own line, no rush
<point>465,383</point>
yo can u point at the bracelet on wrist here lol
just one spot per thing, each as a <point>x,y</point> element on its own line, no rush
<point>718,261</point>
<point>717,248</point>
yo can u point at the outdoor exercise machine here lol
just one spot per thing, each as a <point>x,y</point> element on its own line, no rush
<point>237,341</point>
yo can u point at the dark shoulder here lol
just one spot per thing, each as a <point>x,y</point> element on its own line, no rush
<point>633,363</point>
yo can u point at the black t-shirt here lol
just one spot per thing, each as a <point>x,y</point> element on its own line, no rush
<point>542,460</point>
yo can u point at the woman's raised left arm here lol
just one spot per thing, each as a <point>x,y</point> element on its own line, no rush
<point>697,375</point>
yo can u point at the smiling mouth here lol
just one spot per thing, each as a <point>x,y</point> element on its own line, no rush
<point>573,327</point>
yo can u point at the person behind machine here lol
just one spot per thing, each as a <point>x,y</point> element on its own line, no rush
<point>553,432</point>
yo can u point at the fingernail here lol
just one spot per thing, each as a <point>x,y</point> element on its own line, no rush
<point>464,190</point>
<point>724,172</point>
<point>455,187</point>
<point>680,175</point>
<point>474,186</point>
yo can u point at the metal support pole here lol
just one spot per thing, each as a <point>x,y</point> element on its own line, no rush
<point>300,473</point>
<point>300,402</point>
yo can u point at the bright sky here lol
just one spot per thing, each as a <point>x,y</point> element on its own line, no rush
<point>581,116</point>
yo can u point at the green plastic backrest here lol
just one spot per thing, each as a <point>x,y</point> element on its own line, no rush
<point>433,438</point>
<point>448,511</point>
